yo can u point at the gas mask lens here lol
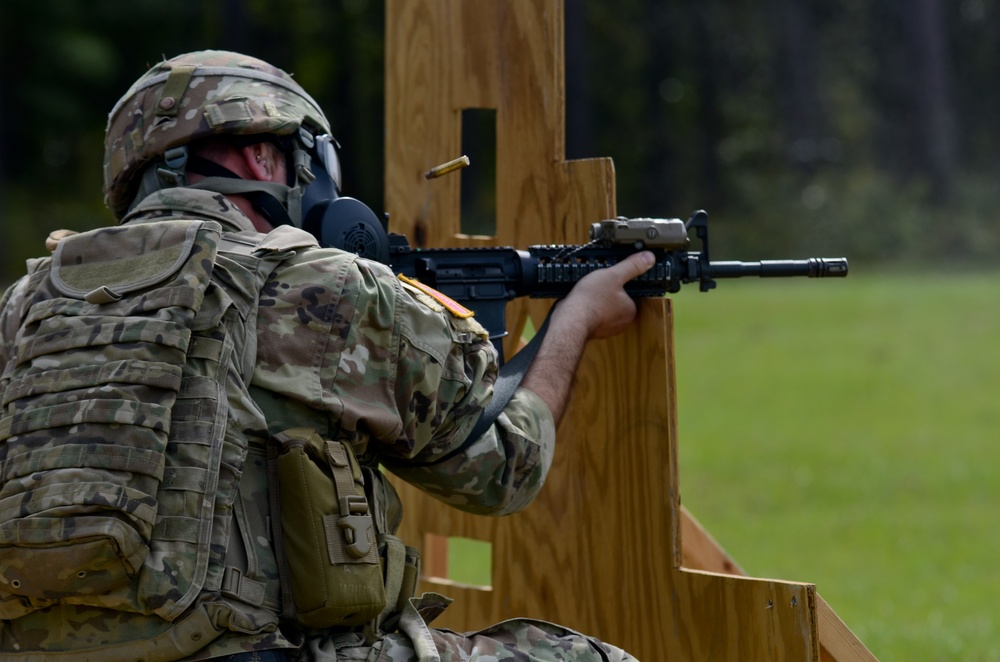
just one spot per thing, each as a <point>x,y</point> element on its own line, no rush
<point>327,154</point>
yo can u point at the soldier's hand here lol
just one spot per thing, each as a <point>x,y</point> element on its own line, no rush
<point>599,300</point>
<point>597,307</point>
<point>52,241</point>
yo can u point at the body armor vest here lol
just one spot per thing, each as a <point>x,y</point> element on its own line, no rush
<point>126,425</point>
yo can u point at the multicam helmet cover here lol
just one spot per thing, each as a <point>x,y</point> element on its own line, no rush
<point>194,96</point>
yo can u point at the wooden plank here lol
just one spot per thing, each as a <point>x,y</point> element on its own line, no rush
<point>422,130</point>
<point>838,643</point>
<point>721,617</point>
<point>475,37</point>
<point>619,589</point>
<point>434,556</point>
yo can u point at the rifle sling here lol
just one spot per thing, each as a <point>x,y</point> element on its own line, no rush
<point>511,374</point>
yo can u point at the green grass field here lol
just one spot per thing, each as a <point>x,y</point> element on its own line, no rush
<point>847,433</point>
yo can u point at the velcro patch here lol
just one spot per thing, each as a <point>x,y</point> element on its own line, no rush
<point>452,306</point>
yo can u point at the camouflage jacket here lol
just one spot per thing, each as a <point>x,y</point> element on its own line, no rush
<point>346,348</point>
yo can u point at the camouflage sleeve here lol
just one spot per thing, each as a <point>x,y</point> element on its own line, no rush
<point>390,368</point>
<point>499,473</point>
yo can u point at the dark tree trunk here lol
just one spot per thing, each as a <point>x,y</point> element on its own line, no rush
<point>659,185</point>
<point>710,119</point>
<point>799,106</point>
<point>927,38</point>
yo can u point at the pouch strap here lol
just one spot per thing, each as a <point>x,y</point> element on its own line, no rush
<point>411,577</point>
<point>349,537</point>
<point>274,499</point>
<point>237,585</point>
<point>394,559</point>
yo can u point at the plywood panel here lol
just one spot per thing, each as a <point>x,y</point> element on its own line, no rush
<point>600,550</point>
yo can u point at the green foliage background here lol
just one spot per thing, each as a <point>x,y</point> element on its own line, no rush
<point>842,433</point>
<point>802,126</point>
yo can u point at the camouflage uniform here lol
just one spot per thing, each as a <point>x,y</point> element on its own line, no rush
<point>348,349</point>
<point>342,347</point>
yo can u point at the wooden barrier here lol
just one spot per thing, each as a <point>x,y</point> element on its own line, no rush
<point>606,548</point>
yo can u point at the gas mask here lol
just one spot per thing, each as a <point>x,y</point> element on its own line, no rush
<point>338,221</point>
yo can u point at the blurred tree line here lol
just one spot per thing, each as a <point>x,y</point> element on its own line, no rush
<point>802,126</point>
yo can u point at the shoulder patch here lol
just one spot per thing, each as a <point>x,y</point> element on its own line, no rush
<point>449,304</point>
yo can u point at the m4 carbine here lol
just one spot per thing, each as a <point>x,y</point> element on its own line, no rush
<point>485,279</point>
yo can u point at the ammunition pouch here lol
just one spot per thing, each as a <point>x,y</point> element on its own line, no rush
<point>331,554</point>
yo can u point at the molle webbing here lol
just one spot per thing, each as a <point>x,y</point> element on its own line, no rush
<point>94,502</point>
<point>126,405</point>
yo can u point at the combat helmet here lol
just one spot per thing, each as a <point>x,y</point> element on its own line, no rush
<point>209,93</point>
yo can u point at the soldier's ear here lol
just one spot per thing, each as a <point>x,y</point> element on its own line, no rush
<point>260,162</point>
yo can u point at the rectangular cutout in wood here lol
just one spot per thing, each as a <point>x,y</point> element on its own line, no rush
<point>479,180</point>
<point>457,561</point>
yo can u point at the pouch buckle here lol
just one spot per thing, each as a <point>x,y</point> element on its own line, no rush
<point>355,522</point>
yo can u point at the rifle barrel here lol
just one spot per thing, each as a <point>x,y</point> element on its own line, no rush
<point>814,267</point>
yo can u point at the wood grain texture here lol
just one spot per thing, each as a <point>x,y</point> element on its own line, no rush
<point>600,550</point>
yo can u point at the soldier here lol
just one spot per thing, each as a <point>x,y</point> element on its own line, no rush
<point>212,163</point>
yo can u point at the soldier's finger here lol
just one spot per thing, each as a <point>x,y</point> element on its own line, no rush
<point>634,266</point>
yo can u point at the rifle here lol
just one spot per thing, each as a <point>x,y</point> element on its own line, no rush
<point>485,279</point>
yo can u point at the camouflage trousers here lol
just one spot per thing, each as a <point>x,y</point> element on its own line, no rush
<point>517,640</point>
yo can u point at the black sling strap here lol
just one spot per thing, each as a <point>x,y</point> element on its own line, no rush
<point>510,377</point>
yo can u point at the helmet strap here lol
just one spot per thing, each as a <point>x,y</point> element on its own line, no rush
<point>269,198</point>
<point>168,171</point>
<point>172,171</point>
<point>280,204</point>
